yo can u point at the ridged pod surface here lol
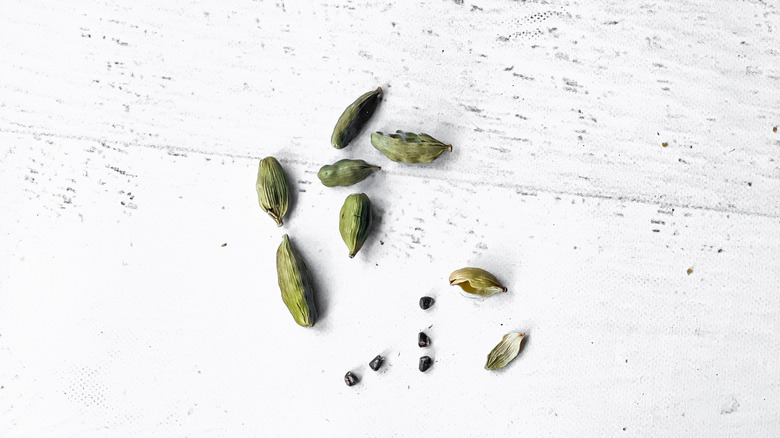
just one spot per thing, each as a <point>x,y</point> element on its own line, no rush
<point>345,172</point>
<point>505,351</point>
<point>355,221</point>
<point>354,117</point>
<point>408,147</point>
<point>273,192</point>
<point>294,283</point>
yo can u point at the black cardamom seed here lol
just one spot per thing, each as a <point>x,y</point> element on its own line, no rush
<point>423,340</point>
<point>376,363</point>
<point>425,363</point>
<point>351,379</point>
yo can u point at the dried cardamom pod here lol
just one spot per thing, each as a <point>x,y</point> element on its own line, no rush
<point>355,221</point>
<point>297,292</point>
<point>354,117</point>
<point>345,172</point>
<point>505,351</point>
<point>408,147</point>
<point>272,189</point>
<point>476,281</point>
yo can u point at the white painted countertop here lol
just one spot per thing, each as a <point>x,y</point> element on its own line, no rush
<point>646,276</point>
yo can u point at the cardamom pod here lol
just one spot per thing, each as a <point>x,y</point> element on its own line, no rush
<point>354,117</point>
<point>408,147</point>
<point>345,172</point>
<point>355,221</point>
<point>272,189</point>
<point>505,351</point>
<point>297,292</point>
<point>476,281</point>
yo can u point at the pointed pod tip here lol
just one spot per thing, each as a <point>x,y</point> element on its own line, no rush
<point>449,148</point>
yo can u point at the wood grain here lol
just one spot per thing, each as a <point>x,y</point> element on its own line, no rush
<point>615,164</point>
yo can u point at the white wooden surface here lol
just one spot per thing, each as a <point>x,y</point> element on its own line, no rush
<point>129,138</point>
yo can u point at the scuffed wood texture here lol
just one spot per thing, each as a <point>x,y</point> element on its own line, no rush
<point>646,276</point>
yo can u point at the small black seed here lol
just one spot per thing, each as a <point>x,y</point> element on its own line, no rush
<point>425,363</point>
<point>423,340</point>
<point>376,363</point>
<point>351,379</point>
<point>426,302</point>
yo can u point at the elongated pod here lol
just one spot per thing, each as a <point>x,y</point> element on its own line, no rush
<point>354,117</point>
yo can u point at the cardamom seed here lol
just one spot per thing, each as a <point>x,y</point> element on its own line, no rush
<point>505,351</point>
<point>297,292</point>
<point>272,189</point>
<point>345,172</point>
<point>377,362</point>
<point>354,118</point>
<point>476,281</point>
<point>408,147</point>
<point>350,378</point>
<point>426,302</point>
<point>355,221</point>
<point>425,363</point>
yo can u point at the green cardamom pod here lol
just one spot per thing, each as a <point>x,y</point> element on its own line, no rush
<point>354,118</point>
<point>407,147</point>
<point>345,172</point>
<point>272,189</point>
<point>297,292</point>
<point>355,221</point>
<point>505,351</point>
<point>476,281</point>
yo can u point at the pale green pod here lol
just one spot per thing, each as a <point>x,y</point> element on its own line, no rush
<point>272,189</point>
<point>345,172</point>
<point>505,351</point>
<point>476,281</point>
<point>354,117</point>
<point>407,147</point>
<point>297,292</point>
<point>355,221</point>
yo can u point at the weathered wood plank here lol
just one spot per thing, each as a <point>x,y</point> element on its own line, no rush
<point>129,139</point>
